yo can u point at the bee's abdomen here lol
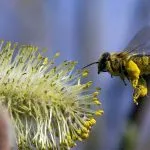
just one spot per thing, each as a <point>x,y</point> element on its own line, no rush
<point>143,62</point>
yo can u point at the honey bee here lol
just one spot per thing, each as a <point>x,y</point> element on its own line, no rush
<point>132,64</point>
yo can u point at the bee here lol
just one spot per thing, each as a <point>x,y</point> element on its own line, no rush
<point>132,64</point>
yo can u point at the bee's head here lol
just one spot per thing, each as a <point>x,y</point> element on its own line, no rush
<point>102,62</point>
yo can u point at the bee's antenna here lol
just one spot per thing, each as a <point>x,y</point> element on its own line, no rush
<point>91,64</point>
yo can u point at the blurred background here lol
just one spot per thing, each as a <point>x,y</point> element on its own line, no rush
<point>82,30</point>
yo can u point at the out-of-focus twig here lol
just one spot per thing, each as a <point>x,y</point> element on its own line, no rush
<point>5,130</point>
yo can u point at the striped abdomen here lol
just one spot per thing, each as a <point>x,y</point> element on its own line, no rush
<point>143,62</point>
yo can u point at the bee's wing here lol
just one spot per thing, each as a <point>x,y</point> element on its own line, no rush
<point>140,44</point>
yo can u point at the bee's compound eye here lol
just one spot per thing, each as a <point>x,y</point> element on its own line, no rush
<point>106,56</point>
<point>102,66</point>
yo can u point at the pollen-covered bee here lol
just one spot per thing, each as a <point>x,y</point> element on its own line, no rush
<point>133,63</point>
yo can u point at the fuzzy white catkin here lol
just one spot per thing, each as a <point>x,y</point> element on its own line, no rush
<point>48,105</point>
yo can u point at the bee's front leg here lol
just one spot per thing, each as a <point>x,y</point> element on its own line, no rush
<point>122,74</point>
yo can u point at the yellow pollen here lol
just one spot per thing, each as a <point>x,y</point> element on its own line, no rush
<point>99,112</point>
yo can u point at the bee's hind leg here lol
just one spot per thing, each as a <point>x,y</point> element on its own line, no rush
<point>141,90</point>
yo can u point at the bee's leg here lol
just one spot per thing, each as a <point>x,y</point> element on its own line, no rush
<point>134,82</point>
<point>127,77</point>
<point>123,79</point>
<point>122,74</point>
<point>124,82</point>
<point>126,74</point>
<point>140,90</point>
